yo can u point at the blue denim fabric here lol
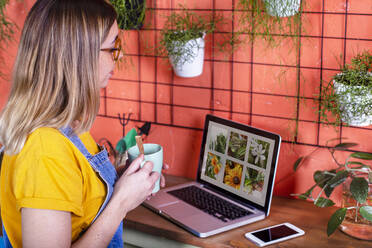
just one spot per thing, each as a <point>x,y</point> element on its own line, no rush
<point>6,240</point>
<point>106,171</point>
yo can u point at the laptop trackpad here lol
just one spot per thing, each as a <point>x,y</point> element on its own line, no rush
<point>174,210</point>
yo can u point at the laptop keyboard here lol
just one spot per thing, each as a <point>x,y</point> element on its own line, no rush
<point>210,203</point>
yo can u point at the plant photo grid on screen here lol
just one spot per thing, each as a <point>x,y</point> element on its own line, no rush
<point>237,161</point>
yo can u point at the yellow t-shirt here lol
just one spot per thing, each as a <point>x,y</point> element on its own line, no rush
<point>50,173</point>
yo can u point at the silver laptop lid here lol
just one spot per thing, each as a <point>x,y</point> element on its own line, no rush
<point>239,161</point>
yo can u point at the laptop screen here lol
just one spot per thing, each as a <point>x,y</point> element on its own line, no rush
<point>239,160</point>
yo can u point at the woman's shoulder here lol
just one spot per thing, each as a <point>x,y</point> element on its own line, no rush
<point>47,137</point>
<point>49,141</point>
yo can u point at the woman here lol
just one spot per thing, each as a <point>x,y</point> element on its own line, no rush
<point>58,188</point>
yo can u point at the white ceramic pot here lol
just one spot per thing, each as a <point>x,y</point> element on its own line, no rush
<point>282,8</point>
<point>348,101</point>
<point>190,65</point>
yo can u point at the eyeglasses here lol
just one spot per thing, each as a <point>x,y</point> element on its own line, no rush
<point>115,51</point>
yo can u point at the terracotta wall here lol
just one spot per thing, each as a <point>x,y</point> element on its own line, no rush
<point>249,86</point>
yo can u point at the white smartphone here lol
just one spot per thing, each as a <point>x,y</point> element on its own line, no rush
<point>274,234</point>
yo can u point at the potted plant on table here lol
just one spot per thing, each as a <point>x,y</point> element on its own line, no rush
<point>182,39</point>
<point>131,13</point>
<point>348,97</point>
<point>355,215</point>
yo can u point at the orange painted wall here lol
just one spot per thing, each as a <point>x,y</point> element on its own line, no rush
<point>244,87</point>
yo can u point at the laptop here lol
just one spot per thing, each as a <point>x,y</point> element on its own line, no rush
<point>234,184</point>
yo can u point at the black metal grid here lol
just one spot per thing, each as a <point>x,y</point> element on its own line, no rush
<point>249,112</point>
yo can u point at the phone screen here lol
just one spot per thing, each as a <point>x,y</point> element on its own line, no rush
<point>274,233</point>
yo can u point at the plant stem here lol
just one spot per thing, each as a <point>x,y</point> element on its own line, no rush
<point>332,151</point>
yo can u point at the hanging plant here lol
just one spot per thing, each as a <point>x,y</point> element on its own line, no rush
<point>264,19</point>
<point>6,29</point>
<point>182,39</point>
<point>282,8</point>
<point>131,13</point>
<point>348,96</point>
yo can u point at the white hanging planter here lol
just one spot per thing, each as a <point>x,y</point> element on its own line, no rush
<point>190,64</point>
<point>348,102</point>
<point>282,8</point>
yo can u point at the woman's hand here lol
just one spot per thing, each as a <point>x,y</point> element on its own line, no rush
<point>122,168</point>
<point>162,178</point>
<point>135,184</point>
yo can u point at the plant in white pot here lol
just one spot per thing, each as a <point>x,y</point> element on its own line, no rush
<point>182,38</point>
<point>264,19</point>
<point>282,8</point>
<point>348,97</point>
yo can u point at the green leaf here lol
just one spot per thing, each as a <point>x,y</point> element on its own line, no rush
<point>303,196</point>
<point>358,163</point>
<point>306,195</point>
<point>362,155</point>
<point>359,189</point>
<point>335,220</point>
<point>366,212</point>
<point>335,181</point>
<point>322,177</point>
<point>323,202</point>
<point>370,177</point>
<point>344,146</point>
<point>297,163</point>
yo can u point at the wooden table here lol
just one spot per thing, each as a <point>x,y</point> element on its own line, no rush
<point>305,215</point>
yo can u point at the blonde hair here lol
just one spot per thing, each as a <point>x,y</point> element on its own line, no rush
<point>55,77</point>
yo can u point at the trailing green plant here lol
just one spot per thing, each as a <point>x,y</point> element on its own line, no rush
<point>6,26</point>
<point>358,72</point>
<point>185,26</point>
<point>131,13</point>
<point>354,98</point>
<point>256,25</point>
<point>255,21</point>
<point>6,29</point>
<point>358,172</point>
<point>180,28</point>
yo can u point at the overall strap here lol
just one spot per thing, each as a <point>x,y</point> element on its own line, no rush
<point>105,171</point>
<point>1,155</point>
<point>5,240</point>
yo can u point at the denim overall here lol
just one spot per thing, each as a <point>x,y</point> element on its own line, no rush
<point>107,173</point>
